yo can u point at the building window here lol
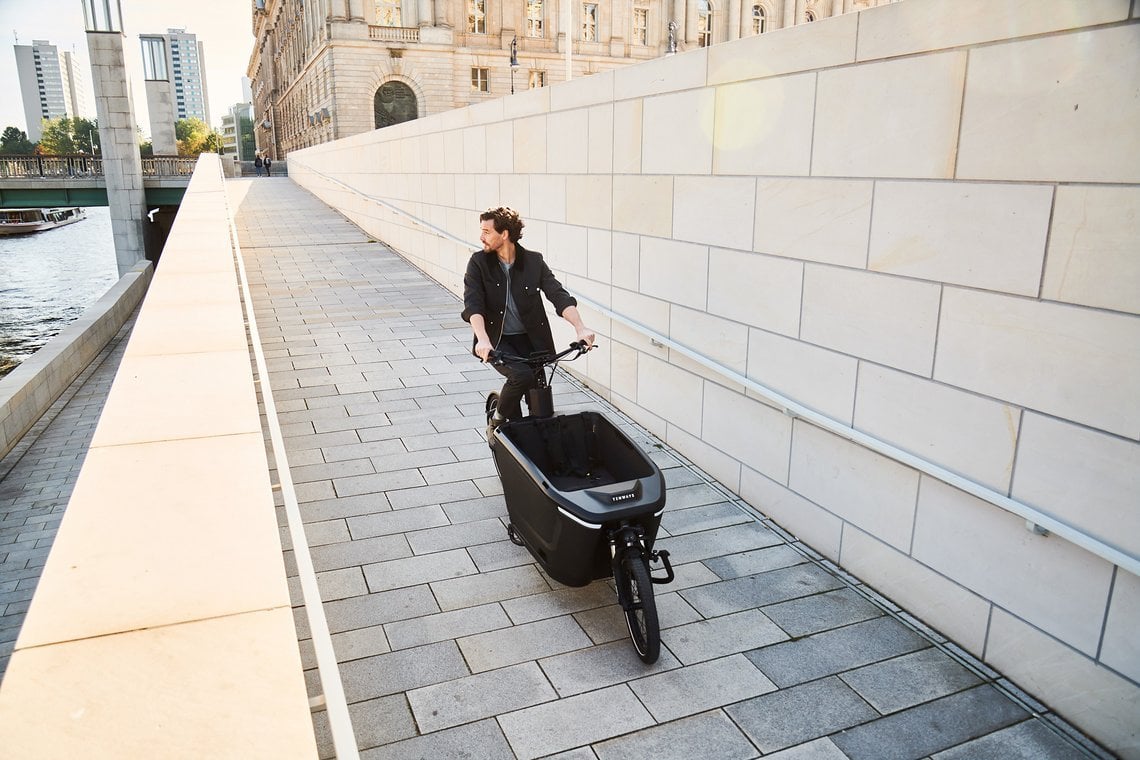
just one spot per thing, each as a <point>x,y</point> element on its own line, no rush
<point>641,26</point>
<point>477,16</point>
<point>704,23</point>
<point>479,80</point>
<point>536,79</point>
<point>154,58</point>
<point>759,19</point>
<point>589,22</point>
<point>533,18</point>
<point>388,13</point>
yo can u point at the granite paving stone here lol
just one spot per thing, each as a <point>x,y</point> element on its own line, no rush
<point>692,519</point>
<point>799,714</point>
<point>573,722</point>
<point>600,666</point>
<point>475,741</point>
<point>360,643</point>
<point>905,681</point>
<point>483,695</point>
<point>379,721</point>
<point>817,749</point>
<point>697,688</point>
<point>755,561</point>
<point>397,521</point>
<point>432,628</point>
<point>395,573</point>
<point>380,483</point>
<point>834,651</point>
<point>709,639</point>
<point>357,553</point>
<point>499,556</point>
<point>384,607</point>
<point>455,536</point>
<point>561,601</point>
<point>820,612</point>
<point>495,586</point>
<point>933,726</point>
<point>472,510</point>
<point>514,644</point>
<point>434,494</point>
<point>346,506</point>
<point>757,590</point>
<point>327,532</point>
<point>718,542</point>
<point>341,584</point>
<point>1028,740</point>
<point>708,735</point>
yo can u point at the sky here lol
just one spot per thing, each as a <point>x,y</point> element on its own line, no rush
<point>224,26</point>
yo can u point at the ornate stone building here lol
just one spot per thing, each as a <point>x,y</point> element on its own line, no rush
<point>326,69</point>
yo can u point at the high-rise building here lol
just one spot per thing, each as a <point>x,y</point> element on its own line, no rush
<point>52,84</point>
<point>184,68</point>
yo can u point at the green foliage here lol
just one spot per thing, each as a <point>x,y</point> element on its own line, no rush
<point>56,138</point>
<point>65,135</point>
<point>194,137</point>
<point>85,134</point>
<point>146,149</point>
<point>15,142</point>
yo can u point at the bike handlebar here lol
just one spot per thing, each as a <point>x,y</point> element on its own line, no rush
<point>498,357</point>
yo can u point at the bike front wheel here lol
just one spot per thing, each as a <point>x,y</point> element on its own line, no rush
<point>635,590</point>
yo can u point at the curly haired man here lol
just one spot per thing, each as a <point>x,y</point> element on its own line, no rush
<point>502,303</point>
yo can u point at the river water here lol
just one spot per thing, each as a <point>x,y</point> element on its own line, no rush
<point>47,279</point>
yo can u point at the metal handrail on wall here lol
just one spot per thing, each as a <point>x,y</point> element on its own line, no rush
<point>1036,520</point>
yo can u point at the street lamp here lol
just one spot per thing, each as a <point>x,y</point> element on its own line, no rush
<point>514,60</point>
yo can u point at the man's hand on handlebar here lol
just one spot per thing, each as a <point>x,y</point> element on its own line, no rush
<point>483,349</point>
<point>586,337</point>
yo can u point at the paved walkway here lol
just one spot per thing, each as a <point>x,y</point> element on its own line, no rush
<point>36,480</point>
<point>452,643</point>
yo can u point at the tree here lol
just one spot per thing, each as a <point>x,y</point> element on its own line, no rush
<point>195,137</point>
<point>15,142</point>
<point>85,134</point>
<point>57,138</point>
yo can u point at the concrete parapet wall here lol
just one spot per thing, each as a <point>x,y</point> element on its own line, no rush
<point>27,391</point>
<point>162,625</point>
<point>921,221</point>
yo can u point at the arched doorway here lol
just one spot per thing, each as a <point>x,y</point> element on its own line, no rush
<point>394,102</point>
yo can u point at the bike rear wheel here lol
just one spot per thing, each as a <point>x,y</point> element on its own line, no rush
<point>635,590</point>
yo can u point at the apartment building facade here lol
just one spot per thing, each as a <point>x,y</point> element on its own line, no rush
<point>179,58</point>
<point>53,83</point>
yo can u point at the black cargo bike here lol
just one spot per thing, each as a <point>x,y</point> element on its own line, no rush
<point>583,499</point>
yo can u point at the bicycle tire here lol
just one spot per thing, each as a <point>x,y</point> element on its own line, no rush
<point>641,615</point>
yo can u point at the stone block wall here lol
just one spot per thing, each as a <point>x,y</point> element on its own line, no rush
<point>920,221</point>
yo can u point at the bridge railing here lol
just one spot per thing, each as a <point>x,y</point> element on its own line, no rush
<point>82,165</point>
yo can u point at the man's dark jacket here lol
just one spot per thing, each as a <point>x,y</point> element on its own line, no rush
<point>485,292</point>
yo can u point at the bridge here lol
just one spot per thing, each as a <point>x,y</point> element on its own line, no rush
<point>77,180</point>
<point>891,384</point>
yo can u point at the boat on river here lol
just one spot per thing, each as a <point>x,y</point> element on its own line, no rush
<point>21,221</point>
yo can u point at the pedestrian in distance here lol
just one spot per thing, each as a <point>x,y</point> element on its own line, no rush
<point>268,163</point>
<point>502,301</point>
<point>257,164</point>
